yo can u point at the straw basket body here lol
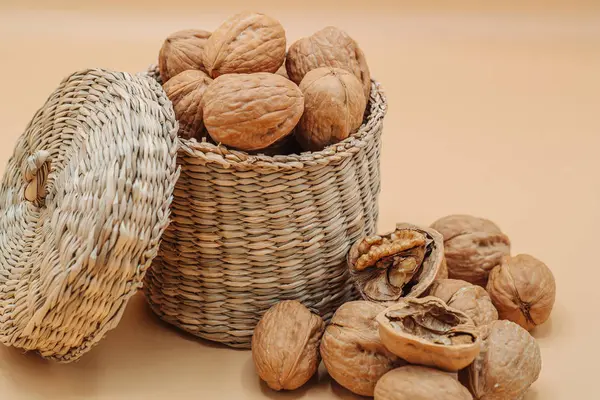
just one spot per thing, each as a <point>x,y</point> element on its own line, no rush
<point>250,230</point>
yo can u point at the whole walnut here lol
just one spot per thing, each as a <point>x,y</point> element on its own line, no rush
<point>185,90</point>
<point>473,246</point>
<point>329,47</point>
<point>180,52</point>
<point>251,111</point>
<point>245,43</point>
<point>285,345</point>
<point>508,364</point>
<point>426,331</point>
<point>471,299</point>
<point>334,107</point>
<point>282,71</point>
<point>352,351</point>
<point>403,263</point>
<point>523,290</point>
<point>413,382</point>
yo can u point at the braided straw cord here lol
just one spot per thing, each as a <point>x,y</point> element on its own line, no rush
<point>250,230</point>
<point>83,203</point>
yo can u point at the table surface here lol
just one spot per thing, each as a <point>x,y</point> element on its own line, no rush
<point>492,112</point>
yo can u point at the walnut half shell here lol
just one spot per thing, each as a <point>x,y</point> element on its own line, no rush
<point>399,264</point>
<point>426,331</point>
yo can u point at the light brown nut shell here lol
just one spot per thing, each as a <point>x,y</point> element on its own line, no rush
<point>414,382</point>
<point>427,332</point>
<point>245,43</point>
<point>180,52</point>
<point>251,111</point>
<point>352,351</point>
<point>285,345</point>
<point>473,246</point>
<point>509,363</point>
<point>185,90</point>
<point>329,47</point>
<point>334,107</point>
<point>471,299</point>
<point>403,263</point>
<point>523,290</point>
<point>282,71</point>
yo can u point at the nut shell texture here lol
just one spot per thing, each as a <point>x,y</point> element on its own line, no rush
<point>285,345</point>
<point>334,106</point>
<point>329,47</point>
<point>185,90</point>
<point>352,351</point>
<point>471,299</point>
<point>413,382</point>
<point>425,331</point>
<point>473,247</point>
<point>398,264</point>
<point>181,51</point>
<point>251,111</point>
<point>523,290</point>
<point>245,43</point>
<point>508,364</point>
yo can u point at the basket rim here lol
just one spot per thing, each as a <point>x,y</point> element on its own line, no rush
<point>237,159</point>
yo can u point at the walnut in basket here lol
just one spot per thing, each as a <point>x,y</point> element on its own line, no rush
<point>329,47</point>
<point>185,90</point>
<point>251,111</point>
<point>334,106</point>
<point>245,43</point>
<point>180,52</point>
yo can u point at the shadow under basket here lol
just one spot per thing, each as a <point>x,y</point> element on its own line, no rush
<point>248,231</point>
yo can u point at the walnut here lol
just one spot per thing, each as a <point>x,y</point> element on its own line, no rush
<point>473,246</point>
<point>251,111</point>
<point>523,290</point>
<point>471,299</point>
<point>282,71</point>
<point>399,264</point>
<point>245,43</point>
<point>329,47</point>
<point>508,364</point>
<point>352,351</point>
<point>413,382</point>
<point>334,107</point>
<point>285,345</point>
<point>181,51</point>
<point>426,331</point>
<point>185,90</point>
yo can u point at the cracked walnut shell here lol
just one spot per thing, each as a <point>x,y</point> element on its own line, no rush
<point>473,247</point>
<point>334,107</point>
<point>403,263</point>
<point>471,299</point>
<point>352,351</point>
<point>426,331</point>
<point>180,52</point>
<point>414,382</point>
<point>185,90</point>
<point>508,364</point>
<point>251,111</point>
<point>523,290</point>
<point>285,345</point>
<point>245,43</point>
<point>329,47</point>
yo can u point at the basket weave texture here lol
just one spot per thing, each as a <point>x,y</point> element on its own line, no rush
<point>83,203</point>
<point>250,230</point>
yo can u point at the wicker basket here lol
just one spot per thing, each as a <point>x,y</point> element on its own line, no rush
<point>250,230</point>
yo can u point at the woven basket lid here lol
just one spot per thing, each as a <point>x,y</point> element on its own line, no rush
<point>83,203</point>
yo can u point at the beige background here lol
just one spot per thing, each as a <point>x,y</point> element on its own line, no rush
<point>493,112</point>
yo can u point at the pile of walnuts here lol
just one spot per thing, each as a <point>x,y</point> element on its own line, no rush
<point>241,87</point>
<point>445,314</point>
